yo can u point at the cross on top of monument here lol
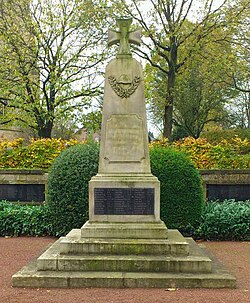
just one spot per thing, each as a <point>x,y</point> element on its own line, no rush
<point>124,37</point>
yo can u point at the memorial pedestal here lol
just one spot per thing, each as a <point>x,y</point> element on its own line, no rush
<point>124,198</point>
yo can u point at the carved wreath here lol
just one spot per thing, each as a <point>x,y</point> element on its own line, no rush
<point>124,92</point>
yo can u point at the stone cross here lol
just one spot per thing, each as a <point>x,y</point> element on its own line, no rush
<point>124,37</point>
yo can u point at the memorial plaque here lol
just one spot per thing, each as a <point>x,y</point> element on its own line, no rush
<point>124,134</point>
<point>239,192</point>
<point>22,192</point>
<point>124,201</point>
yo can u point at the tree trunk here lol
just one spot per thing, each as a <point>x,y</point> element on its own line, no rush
<point>171,76</point>
<point>168,121</point>
<point>44,131</point>
<point>248,111</point>
<point>45,128</point>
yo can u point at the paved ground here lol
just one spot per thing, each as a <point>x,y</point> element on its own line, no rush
<point>16,252</point>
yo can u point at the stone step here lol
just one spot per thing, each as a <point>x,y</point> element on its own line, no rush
<point>52,259</point>
<point>140,230</point>
<point>130,263</point>
<point>30,277</point>
<point>74,244</point>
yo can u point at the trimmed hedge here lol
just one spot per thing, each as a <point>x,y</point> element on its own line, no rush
<point>182,199</point>
<point>18,220</point>
<point>182,204</point>
<point>68,187</point>
<point>38,154</point>
<point>181,190</point>
<point>228,220</point>
<point>233,153</point>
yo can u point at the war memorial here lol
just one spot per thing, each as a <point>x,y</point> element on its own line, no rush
<point>124,244</point>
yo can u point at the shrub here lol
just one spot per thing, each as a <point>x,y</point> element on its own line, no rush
<point>234,154</point>
<point>38,154</point>
<point>68,187</point>
<point>215,136</point>
<point>181,188</point>
<point>229,220</point>
<point>29,220</point>
<point>181,191</point>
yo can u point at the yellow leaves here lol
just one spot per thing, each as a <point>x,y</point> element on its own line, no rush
<point>11,144</point>
<point>227,154</point>
<point>40,153</point>
<point>160,143</point>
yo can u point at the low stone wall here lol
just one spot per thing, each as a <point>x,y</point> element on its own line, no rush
<point>23,185</point>
<point>226,184</point>
<point>234,184</point>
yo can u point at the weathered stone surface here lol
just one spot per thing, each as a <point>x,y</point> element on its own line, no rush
<point>74,243</point>
<point>123,230</point>
<point>124,255</point>
<point>29,276</point>
<point>124,131</point>
<point>124,140</point>
<point>132,263</point>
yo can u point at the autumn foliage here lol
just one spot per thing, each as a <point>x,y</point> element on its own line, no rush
<point>228,154</point>
<point>38,154</point>
<point>232,153</point>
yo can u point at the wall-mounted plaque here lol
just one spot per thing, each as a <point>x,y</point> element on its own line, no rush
<point>239,192</point>
<point>22,192</point>
<point>124,201</point>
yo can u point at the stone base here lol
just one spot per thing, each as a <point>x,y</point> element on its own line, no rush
<point>77,261</point>
<point>115,230</point>
<point>119,182</point>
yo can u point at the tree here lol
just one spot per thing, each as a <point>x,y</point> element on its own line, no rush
<point>239,71</point>
<point>200,90</point>
<point>165,26</point>
<point>239,110</point>
<point>50,51</point>
<point>198,102</point>
<point>199,96</point>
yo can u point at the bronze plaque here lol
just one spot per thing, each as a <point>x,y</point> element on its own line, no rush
<point>124,201</point>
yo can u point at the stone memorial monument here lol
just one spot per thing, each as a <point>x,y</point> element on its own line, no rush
<point>124,243</point>
<point>124,189</point>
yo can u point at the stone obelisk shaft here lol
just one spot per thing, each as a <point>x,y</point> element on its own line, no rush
<point>124,190</point>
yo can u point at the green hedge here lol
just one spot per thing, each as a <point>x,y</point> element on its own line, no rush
<point>181,190</point>
<point>18,220</point>
<point>68,187</point>
<point>182,197</point>
<point>228,220</point>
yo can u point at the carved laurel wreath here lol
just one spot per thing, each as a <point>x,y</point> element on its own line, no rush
<point>124,92</point>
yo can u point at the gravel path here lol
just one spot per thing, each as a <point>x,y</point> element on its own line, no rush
<point>16,252</point>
